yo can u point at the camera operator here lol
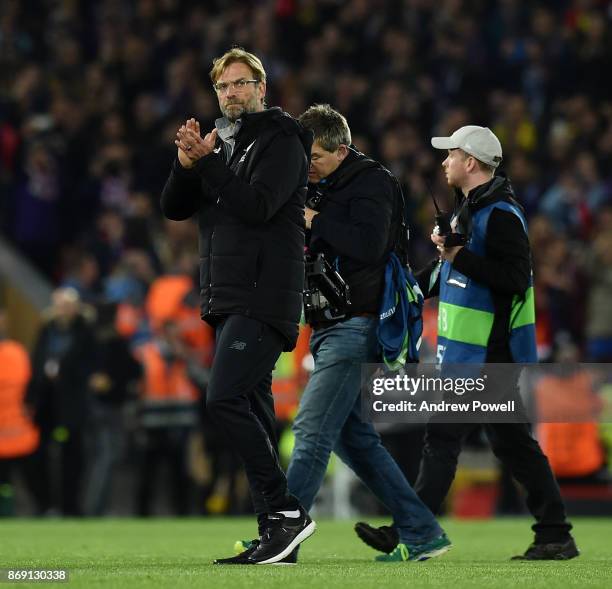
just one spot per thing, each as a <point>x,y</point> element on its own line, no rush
<point>353,214</point>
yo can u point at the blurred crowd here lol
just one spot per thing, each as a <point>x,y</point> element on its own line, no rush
<point>102,392</point>
<point>92,93</point>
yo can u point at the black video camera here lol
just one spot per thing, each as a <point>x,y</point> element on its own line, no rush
<point>314,198</point>
<point>326,295</point>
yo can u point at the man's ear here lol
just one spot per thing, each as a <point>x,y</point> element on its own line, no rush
<point>470,164</point>
<point>342,152</point>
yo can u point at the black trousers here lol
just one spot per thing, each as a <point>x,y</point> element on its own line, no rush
<point>29,469</point>
<point>71,468</point>
<point>239,400</point>
<point>516,448</point>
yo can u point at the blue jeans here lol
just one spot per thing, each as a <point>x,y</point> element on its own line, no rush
<point>329,418</point>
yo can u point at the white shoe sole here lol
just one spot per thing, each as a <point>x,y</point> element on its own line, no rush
<point>303,535</point>
<point>434,553</point>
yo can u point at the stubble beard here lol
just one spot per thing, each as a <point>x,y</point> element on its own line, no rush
<point>237,110</point>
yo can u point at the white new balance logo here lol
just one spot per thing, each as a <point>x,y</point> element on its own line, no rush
<point>245,152</point>
<point>238,345</point>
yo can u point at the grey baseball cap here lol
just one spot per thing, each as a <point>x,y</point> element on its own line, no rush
<point>480,142</point>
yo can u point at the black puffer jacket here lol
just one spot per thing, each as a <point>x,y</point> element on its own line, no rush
<point>251,219</point>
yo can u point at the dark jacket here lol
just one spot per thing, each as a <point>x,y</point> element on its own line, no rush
<point>251,219</point>
<point>63,401</point>
<point>355,226</point>
<point>112,356</point>
<point>506,267</point>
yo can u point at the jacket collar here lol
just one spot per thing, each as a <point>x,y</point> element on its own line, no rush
<point>228,131</point>
<point>354,162</point>
<point>496,189</point>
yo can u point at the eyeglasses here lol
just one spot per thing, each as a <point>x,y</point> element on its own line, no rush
<point>223,87</point>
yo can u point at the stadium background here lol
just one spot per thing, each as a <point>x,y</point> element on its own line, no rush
<point>91,95</point>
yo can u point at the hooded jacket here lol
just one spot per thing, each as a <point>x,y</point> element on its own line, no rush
<point>250,209</point>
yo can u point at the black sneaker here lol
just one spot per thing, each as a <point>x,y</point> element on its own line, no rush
<point>241,545</point>
<point>281,536</point>
<point>384,539</point>
<point>291,559</point>
<point>550,551</point>
<point>242,558</point>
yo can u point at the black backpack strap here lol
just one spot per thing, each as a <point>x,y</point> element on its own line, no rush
<point>400,231</point>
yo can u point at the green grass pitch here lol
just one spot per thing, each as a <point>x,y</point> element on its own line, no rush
<point>175,553</point>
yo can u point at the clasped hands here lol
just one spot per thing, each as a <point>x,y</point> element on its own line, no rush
<point>191,146</point>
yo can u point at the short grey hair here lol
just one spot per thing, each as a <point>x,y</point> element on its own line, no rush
<point>328,126</point>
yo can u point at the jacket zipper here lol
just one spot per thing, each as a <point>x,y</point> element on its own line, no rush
<point>257,266</point>
<point>210,257</point>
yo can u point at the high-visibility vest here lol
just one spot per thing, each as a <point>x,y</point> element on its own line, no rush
<point>18,435</point>
<point>573,449</point>
<point>163,381</point>
<point>289,377</point>
<point>130,318</point>
<point>285,387</point>
<point>196,333</point>
<point>466,311</point>
<point>165,298</point>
